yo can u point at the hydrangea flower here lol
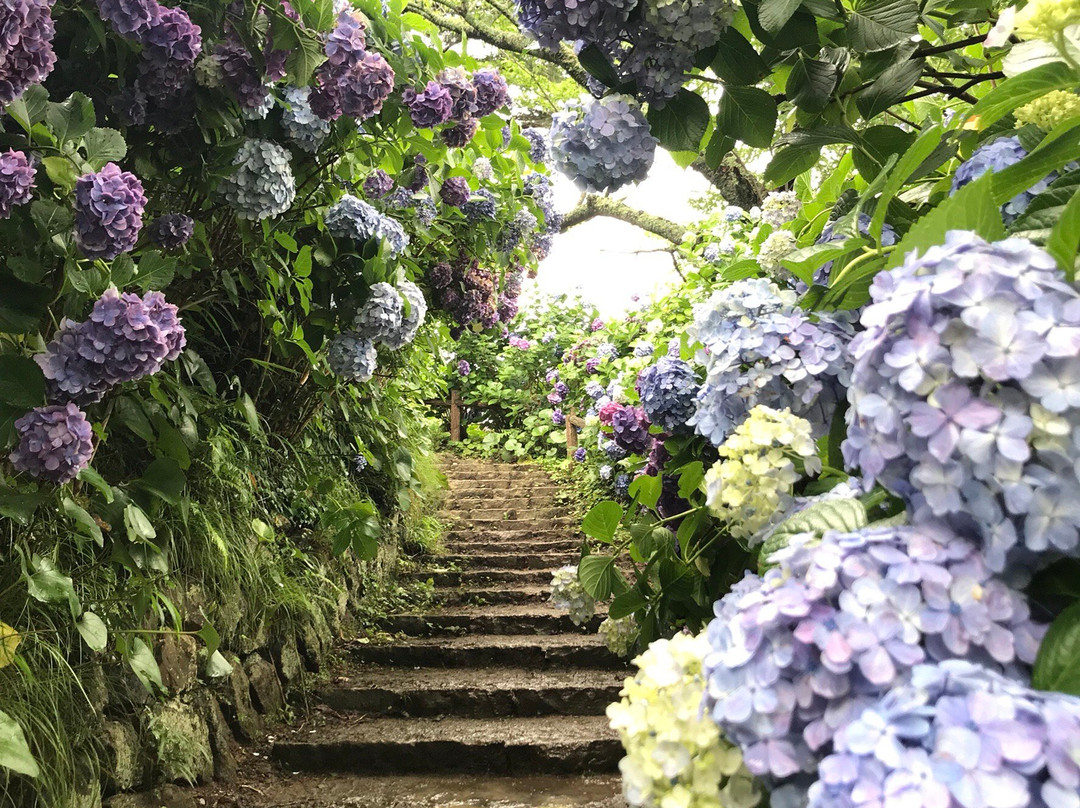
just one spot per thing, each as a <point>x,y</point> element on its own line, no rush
<point>352,357</point>
<point>426,212</point>
<point>644,349</point>
<point>26,51</point>
<point>125,339</point>
<point>668,392</point>
<point>170,48</point>
<point>622,485</point>
<point>460,134</point>
<point>262,183</point>
<point>471,295</point>
<point>596,325</point>
<point>539,151</point>
<point>455,191</point>
<point>480,207</point>
<point>758,347</point>
<point>594,389</point>
<point>360,464</point>
<point>780,207</point>
<point>567,594</point>
<point>1048,111</point>
<point>607,350</point>
<point>130,18</point>
<point>353,218</point>
<point>352,81</point>
<point>108,212</point>
<point>775,247</point>
<point>302,126</point>
<point>393,234</point>
<point>481,168</point>
<point>172,230</point>
<point>675,756</point>
<point>602,144</point>
<point>209,72</point>
<point>956,736</point>
<point>580,454</point>
<point>382,315</point>
<point>965,394</point>
<point>630,427</point>
<point>751,484</point>
<point>55,443</point>
<point>558,418</point>
<point>430,107</point>
<point>492,92</point>
<point>555,21</point>
<point>605,472</point>
<point>801,651</point>
<point>378,184</point>
<point>619,635</point>
<point>523,345</point>
<point>1047,19</point>
<point>240,75</point>
<point>412,316</point>
<point>463,93</point>
<point>17,176</point>
<point>995,156</point>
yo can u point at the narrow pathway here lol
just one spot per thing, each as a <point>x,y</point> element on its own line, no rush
<point>492,699</point>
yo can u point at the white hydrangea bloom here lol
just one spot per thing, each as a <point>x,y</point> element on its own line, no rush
<point>568,594</point>
<point>776,245</point>
<point>780,207</point>
<point>619,635</point>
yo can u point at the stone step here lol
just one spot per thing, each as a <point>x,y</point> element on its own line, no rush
<point>483,650</point>
<point>505,473</point>
<point>508,561</point>
<point>545,745</point>
<point>342,790</point>
<point>492,533</point>
<point>501,525</point>
<point>482,545</point>
<point>493,594</point>
<point>501,619</point>
<point>503,485</point>
<point>455,505</point>
<point>473,692</point>
<point>481,577</point>
<point>503,514</point>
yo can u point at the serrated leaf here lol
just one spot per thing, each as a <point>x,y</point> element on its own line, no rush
<point>804,262</point>
<point>602,521</point>
<point>681,123</point>
<point>104,146</point>
<point>690,478</point>
<point>811,83</point>
<point>747,114</point>
<point>70,119</point>
<point>61,172</point>
<point>597,65</point>
<point>83,520</point>
<point>876,25</point>
<point>14,751</point>
<point>626,604</point>
<point>165,479</point>
<point>890,87</point>
<point>646,489</point>
<point>155,271</point>
<point>1057,666</point>
<point>774,14</point>
<point>736,61</point>
<point>788,163</point>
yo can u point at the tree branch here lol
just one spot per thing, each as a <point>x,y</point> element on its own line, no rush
<point>592,206</point>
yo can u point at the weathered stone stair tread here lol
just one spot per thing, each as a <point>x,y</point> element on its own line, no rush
<point>474,692</point>
<point>510,618</point>
<point>565,650</point>
<point>487,546</point>
<point>463,502</point>
<point>441,577</point>
<point>508,561</point>
<point>547,744</point>
<point>494,532</point>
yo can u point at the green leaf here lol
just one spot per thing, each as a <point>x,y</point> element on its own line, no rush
<point>832,514</point>
<point>799,31</point>
<point>30,107</point>
<point>48,585</point>
<point>736,61</point>
<point>600,577</point>
<point>790,162</point>
<point>626,604</point>
<point>142,662</point>
<point>104,146</point>
<point>1064,241</point>
<point>691,477</point>
<point>1057,666</point>
<point>22,305</point>
<point>92,478</point>
<point>681,123</point>
<point>210,637</point>
<point>93,631</point>
<point>811,83</point>
<point>1014,92</point>
<point>876,25</point>
<point>18,507</point>
<point>303,60</point>
<point>70,119</point>
<point>597,65</point>
<point>83,521</point>
<point>14,750</point>
<point>774,14</point>
<point>906,166</point>
<point>155,271</point>
<point>890,87</point>
<point>603,520</point>
<point>165,479</point>
<point>403,464</point>
<point>747,114</point>
<point>646,489</point>
<point>138,524</point>
<point>970,208</point>
<point>61,171</point>
<point>804,262</point>
<point>22,383</point>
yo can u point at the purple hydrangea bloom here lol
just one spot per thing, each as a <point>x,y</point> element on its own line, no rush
<point>352,357</point>
<point>130,18</point>
<point>440,275</point>
<point>171,46</point>
<point>360,464</point>
<point>480,207</point>
<point>426,212</point>
<point>594,389</point>
<point>555,21</point>
<point>539,151</point>
<point>603,144</point>
<point>172,230</point>
<point>562,388</point>
<point>592,364</point>
<point>17,175</point>
<point>969,363</point>
<point>455,191</point>
<point>460,134</point>
<point>579,454</point>
<point>491,91</point>
<point>956,736</point>
<point>995,156</point>
<point>430,107</point>
<point>419,174</point>
<point>596,325</point>
<point>630,427</point>
<point>558,417</point>
<point>463,368</point>
<point>668,392</point>
<point>55,443</point>
<point>240,74</point>
<point>378,184</point>
<point>125,339</point>
<point>463,93</point>
<point>108,212</point>
<point>622,485</point>
<point>801,651</point>
<point>348,40</point>
<point>26,51</point>
<point>352,81</point>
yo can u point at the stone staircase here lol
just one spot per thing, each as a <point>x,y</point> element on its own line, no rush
<point>491,682</point>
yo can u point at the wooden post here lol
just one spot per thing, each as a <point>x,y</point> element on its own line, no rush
<point>455,416</point>
<point>571,433</point>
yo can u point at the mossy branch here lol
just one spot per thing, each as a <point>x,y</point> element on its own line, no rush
<point>593,205</point>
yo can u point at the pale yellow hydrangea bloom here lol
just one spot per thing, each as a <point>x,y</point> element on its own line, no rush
<point>1050,110</point>
<point>752,482</point>
<point>675,755</point>
<point>1047,19</point>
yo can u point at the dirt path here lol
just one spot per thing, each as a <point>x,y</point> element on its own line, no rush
<point>492,700</point>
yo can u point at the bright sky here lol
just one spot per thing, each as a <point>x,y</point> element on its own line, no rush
<point>607,261</point>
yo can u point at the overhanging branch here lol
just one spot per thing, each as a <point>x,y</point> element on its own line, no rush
<point>592,206</point>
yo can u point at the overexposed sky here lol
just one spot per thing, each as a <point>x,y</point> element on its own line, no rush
<point>607,261</point>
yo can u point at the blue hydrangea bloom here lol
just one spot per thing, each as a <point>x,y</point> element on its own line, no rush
<point>579,454</point>
<point>352,357</point>
<point>381,317</point>
<point>602,144</point>
<point>668,392</point>
<point>412,316</point>
<point>995,156</point>
<point>353,218</point>
<point>262,183</point>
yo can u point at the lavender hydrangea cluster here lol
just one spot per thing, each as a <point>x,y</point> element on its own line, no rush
<point>492,92</point>
<point>460,134</point>
<point>469,292</point>
<point>382,315</point>
<point>171,231</point>
<point>352,357</point>
<point>801,651</point>
<point>463,93</point>
<point>956,736</point>
<point>480,207</point>
<point>965,394</point>
<point>463,368</point>
<point>302,126</point>
<point>995,156</point>
<point>668,392</point>
<point>353,218</point>
<point>580,454</point>
<point>17,176</point>
<point>455,191</point>
<point>556,21</point>
<point>126,338</point>
<point>558,417</point>
<point>170,48</point>
<point>130,18</point>
<point>602,144</point>
<point>630,429</point>
<point>262,183</point>
<point>430,107</point>
<point>539,188</point>
<point>26,51</point>
<point>240,75</point>
<point>412,316</point>
<point>378,184</point>
<point>109,207</point>
<point>539,151</point>
<point>55,443</point>
<point>759,347</point>
<point>352,81</point>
